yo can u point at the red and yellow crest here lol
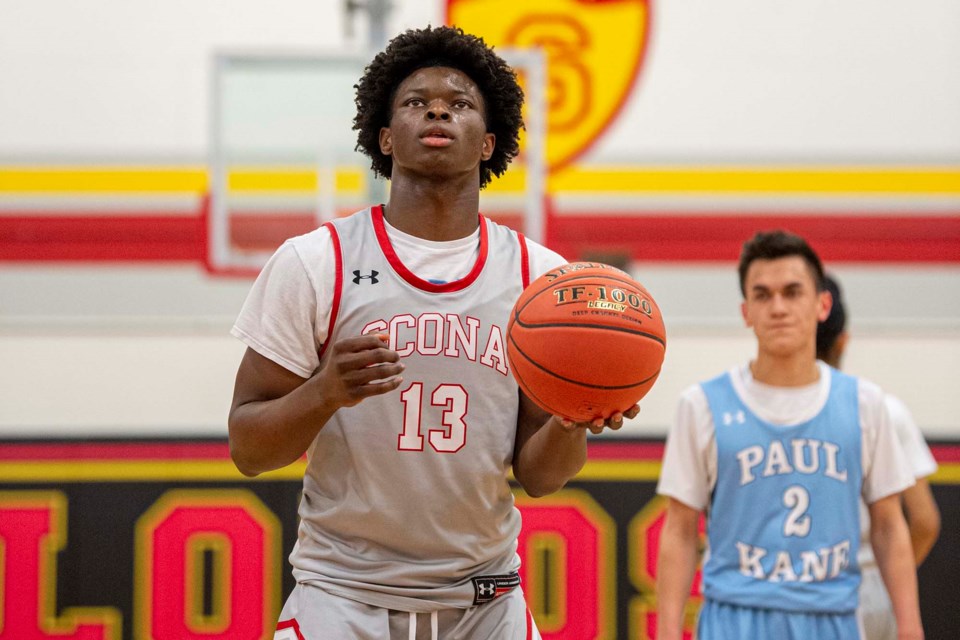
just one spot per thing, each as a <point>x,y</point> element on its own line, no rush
<point>593,48</point>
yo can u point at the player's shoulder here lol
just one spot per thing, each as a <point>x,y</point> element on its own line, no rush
<point>873,407</point>
<point>694,395</point>
<point>310,249</point>
<point>318,243</point>
<point>541,259</point>
<point>896,406</point>
<point>870,393</point>
<point>902,419</point>
<point>321,236</point>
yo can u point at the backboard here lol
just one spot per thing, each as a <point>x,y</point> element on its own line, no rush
<point>282,158</point>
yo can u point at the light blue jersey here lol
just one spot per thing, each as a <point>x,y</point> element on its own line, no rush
<point>784,519</point>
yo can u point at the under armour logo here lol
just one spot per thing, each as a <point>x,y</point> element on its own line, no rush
<point>487,588</point>
<point>372,277</point>
<point>730,418</point>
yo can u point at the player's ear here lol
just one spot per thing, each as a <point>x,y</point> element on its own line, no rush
<point>743,312</point>
<point>386,141</point>
<point>824,304</point>
<point>489,144</point>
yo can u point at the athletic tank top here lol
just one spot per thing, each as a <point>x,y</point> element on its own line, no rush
<point>784,526</point>
<point>405,496</point>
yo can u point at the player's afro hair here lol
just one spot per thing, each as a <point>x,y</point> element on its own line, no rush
<point>440,47</point>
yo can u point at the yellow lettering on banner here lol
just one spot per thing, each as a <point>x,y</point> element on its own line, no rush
<point>33,531</point>
<point>643,545</point>
<point>171,537</point>
<point>593,48</point>
<point>569,522</point>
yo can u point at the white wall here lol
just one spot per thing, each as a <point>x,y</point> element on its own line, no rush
<point>144,350</point>
<point>118,79</point>
<point>815,81</point>
<point>856,80</point>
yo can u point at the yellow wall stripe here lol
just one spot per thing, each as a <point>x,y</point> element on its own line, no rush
<point>825,180</point>
<point>223,470</point>
<point>291,180</point>
<point>802,180</point>
<point>119,180</point>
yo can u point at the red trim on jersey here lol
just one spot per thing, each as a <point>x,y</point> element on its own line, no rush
<point>524,261</point>
<point>379,227</point>
<point>337,287</point>
<point>529,625</point>
<point>290,624</point>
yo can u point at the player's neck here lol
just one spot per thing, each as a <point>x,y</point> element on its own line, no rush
<point>796,370</point>
<point>435,210</point>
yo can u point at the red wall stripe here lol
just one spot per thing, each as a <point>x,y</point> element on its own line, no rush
<point>149,237</point>
<point>686,237</point>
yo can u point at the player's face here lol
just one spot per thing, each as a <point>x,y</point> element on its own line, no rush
<point>438,125</point>
<point>783,306</point>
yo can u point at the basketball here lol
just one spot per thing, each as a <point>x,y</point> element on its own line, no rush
<point>585,340</point>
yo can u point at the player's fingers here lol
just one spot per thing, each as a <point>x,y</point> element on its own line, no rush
<point>350,361</point>
<point>615,421</point>
<point>365,342</point>
<point>376,388</point>
<point>632,412</point>
<point>372,374</point>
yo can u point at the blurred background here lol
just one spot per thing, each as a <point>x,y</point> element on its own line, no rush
<point>153,154</point>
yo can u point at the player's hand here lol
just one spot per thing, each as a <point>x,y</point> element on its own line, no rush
<point>614,422</point>
<point>360,367</point>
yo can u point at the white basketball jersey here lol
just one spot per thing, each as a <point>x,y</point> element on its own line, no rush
<point>406,497</point>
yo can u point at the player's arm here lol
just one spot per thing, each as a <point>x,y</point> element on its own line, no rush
<point>891,545</point>
<point>923,518</point>
<point>545,454</point>
<point>676,566</point>
<point>549,451</point>
<point>276,414</point>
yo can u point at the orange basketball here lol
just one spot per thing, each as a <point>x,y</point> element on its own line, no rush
<point>585,340</point>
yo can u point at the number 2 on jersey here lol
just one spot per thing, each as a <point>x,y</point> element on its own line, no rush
<point>453,435</point>
<point>797,500</point>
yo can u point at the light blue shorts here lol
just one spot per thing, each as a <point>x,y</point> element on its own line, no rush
<point>722,621</point>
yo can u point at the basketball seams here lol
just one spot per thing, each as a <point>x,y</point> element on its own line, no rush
<point>528,391</point>
<point>577,382</point>
<point>589,326</point>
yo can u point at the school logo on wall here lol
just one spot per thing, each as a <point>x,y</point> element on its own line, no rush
<point>594,49</point>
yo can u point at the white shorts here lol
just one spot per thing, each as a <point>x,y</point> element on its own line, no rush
<point>875,611</point>
<point>311,613</point>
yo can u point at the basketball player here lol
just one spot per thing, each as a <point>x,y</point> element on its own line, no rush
<point>920,508</point>
<point>376,346</point>
<point>777,452</point>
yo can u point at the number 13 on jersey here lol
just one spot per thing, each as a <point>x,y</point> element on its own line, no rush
<point>451,435</point>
